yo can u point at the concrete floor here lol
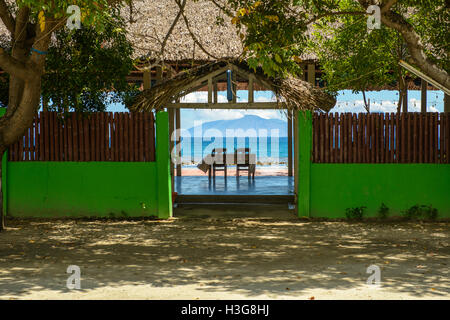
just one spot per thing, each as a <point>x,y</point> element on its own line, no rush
<point>262,185</point>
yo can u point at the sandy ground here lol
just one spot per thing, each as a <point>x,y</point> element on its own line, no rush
<point>231,171</point>
<point>200,255</point>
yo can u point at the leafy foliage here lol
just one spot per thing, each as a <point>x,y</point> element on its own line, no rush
<point>421,212</point>
<point>383,211</point>
<point>276,33</point>
<point>84,66</point>
<point>86,69</point>
<point>355,213</point>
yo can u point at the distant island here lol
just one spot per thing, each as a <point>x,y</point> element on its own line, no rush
<point>245,123</point>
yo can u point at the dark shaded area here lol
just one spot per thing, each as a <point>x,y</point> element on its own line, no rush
<point>249,256</point>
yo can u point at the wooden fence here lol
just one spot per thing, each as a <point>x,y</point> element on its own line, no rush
<point>103,136</point>
<point>381,138</point>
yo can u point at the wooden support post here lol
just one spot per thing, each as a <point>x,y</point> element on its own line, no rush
<point>233,85</point>
<point>251,94</point>
<point>147,79</point>
<point>296,153</point>
<point>210,90</point>
<point>405,100</point>
<point>215,91</point>
<point>171,141</point>
<point>446,103</point>
<point>289,124</point>
<point>178,126</point>
<point>423,97</point>
<point>312,73</point>
<point>159,74</point>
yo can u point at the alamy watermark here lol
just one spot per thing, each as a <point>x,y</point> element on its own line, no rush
<point>74,20</point>
<point>374,18</point>
<point>375,278</point>
<point>74,280</point>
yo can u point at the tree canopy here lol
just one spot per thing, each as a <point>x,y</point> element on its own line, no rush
<point>276,33</point>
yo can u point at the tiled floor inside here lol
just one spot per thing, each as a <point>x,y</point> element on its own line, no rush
<point>260,185</point>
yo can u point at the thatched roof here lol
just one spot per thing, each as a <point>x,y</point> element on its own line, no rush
<point>291,93</point>
<point>152,20</point>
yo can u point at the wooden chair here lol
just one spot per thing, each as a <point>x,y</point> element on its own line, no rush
<point>242,158</point>
<point>220,163</point>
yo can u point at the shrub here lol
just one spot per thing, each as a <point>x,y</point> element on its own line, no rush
<point>421,212</point>
<point>355,213</point>
<point>383,211</point>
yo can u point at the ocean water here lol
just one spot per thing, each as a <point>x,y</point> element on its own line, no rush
<point>269,151</point>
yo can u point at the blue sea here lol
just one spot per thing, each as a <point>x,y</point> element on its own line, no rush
<point>269,151</point>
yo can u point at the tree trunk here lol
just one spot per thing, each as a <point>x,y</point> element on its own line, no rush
<point>2,214</point>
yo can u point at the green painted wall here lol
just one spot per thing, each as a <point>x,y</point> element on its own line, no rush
<point>81,189</point>
<point>327,190</point>
<point>91,189</point>
<point>335,187</point>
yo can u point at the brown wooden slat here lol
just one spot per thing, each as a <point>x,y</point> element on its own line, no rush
<point>101,136</point>
<point>146,123</point>
<point>321,138</point>
<point>331,136</point>
<point>81,145</point>
<point>121,130</point>
<point>431,138</point>
<point>152,137</point>
<point>447,137</point>
<point>426,138</point>
<point>436,137</point>
<point>97,136</point>
<point>76,138</point>
<point>116,137</point>
<point>386,138</point>
<point>141,137</point>
<point>87,138</point>
<point>70,155</point>
<point>441,138</point>
<point>108,136</point>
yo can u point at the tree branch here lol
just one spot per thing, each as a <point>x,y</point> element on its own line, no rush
<point>6,17</point>
<point>193,35</point>
<point>389,4</point>
<point>15,67</point>
<point>175,21</point>
<point>415,47</point>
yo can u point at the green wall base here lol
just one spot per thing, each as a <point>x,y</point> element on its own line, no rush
<point>82,189</point>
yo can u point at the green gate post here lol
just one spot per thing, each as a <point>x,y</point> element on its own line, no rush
<point>304,163</point>
<point>163,165</point>
<point>4,185</point>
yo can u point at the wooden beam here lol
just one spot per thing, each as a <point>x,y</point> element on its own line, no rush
<point>234,85</point>
<point>405,100</point>
<point>422,75</point>
<point>240,105</point>
<point>171,142</point>
<point>312,73</point>
<point>296,152</point>
<point>147,75</point>
<point>159,74</point>
<point>423,96</point>
<point>210,90</point>
<point>178,127</point>
<point>289,124</point>
<point>216,91</point>
<point>446,103</point>
<point>251,93</point>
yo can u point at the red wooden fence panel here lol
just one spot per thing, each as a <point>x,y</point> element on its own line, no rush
<point>381,138</point>
<point>94,137</point>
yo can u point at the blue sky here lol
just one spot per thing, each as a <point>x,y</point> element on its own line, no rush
<point>381,101</point>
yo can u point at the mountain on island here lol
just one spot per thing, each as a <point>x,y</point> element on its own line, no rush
<point>245,123</point>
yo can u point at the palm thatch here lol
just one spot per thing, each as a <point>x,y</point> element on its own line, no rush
<point>291,93</point>
<point>149,21</point>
